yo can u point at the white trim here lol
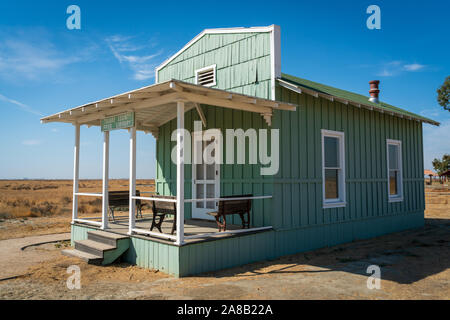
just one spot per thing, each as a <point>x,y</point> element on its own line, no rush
<point>95,223</point>
<point>105,198</point>
<point>213,234</point>
<point>132,183</point>
<point>225,199</point>
<point>89,194</point>
<point>290,86</point>
<point>340,202</point>
<point>76,172</point>
<point>211,31</point>
<point>155,199</point>
<point>214,69</point>
<point>180,173</point>
<point>399,196</point>
<point>200,213</point>
<point>154,234</point>
<point>275,57</point>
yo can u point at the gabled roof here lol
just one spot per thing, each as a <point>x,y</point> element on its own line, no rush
<point>331,93</point>
<point>214,31</point>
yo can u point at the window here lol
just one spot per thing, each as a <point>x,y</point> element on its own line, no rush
<point>206,76</point>
<point>394,164</point>
<point>333,169</point>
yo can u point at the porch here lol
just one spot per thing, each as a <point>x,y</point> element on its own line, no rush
<point>195,230</point>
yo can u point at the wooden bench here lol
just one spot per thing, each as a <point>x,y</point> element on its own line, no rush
<point>160,209</point>
<point>227,207</point>
<point>121,199</point>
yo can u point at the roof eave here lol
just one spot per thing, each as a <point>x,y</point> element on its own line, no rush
<point>165,93</point>
<point>300,89</point>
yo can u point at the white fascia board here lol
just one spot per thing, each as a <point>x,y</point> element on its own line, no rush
<point>275,57</point>
<point>214,31</point>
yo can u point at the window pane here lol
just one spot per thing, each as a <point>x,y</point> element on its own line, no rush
<point>393,156</point>
<point>393,182</point>
<point>331,149</point>
<point>210,193</point>
<point>331,184</point>
<point>210,171</point>
<point>199,171</point>
<point>200,195</point>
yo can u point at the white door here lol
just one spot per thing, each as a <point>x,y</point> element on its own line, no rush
<point>205,182</point>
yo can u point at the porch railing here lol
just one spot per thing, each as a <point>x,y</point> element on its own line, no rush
<point>86,220</point>
<point>202,235</point>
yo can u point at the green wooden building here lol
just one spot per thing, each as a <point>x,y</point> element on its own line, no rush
<point>343,166</point>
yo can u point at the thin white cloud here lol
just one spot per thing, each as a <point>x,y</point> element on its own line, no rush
<point>21,105</point>
<point>385,73</point>
<point>31,142</point>
<point>31,54</point>
<point>413,67</point>
<point>126,52</point>
<point>394,68</point>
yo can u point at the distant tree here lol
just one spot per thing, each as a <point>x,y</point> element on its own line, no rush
<point>442,165</point>
<point>444,94</point>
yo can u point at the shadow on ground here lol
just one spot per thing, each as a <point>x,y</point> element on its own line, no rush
<point>404,257</point>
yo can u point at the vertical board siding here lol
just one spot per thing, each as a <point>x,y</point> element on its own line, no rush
<point>226,253</point>
<point>235,179</point>
<point>242,62</point>
<point>300,177</point>
<point>150,254</point>
<point>243,65</point>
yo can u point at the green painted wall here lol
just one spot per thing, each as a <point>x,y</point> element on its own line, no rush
<point>242,59</point>
<point>153,255</point>
<point>298,184</point>
<point>234,179</point>
<point>295,211</point>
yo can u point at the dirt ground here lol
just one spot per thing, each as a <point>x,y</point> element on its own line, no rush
<point>415,264</point>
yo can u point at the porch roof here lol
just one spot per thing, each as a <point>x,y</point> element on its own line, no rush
<point>156,104</point>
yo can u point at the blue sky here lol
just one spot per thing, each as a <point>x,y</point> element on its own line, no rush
<point>45,68</point>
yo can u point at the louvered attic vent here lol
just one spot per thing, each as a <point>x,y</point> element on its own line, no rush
<point>206,76</point>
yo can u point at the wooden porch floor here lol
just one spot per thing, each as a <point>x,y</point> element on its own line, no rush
<point>191,227</point>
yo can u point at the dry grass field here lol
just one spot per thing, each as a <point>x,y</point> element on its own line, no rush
<point>35,207</point>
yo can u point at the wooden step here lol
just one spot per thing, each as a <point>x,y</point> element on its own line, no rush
<point>93,247</point>
<point>108,238</point>
<point>87,257</point>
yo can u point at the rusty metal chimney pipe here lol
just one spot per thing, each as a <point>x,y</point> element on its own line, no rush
<point>374,91</point>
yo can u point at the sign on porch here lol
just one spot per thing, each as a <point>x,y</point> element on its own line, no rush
<point>121,121</point>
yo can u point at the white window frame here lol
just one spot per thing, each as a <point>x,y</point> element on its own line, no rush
<point>340,201</point>
<point>204,69</point>
<point>398,197</point>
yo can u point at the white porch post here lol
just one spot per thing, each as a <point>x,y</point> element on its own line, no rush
<point>132,205</point>
<point>105,180</point>
<point>180,173</point>
<point>76,172</point>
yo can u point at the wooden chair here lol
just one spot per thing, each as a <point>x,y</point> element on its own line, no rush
<point>121,199</point>
<point>160,209</point>
<point>227,207</point>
